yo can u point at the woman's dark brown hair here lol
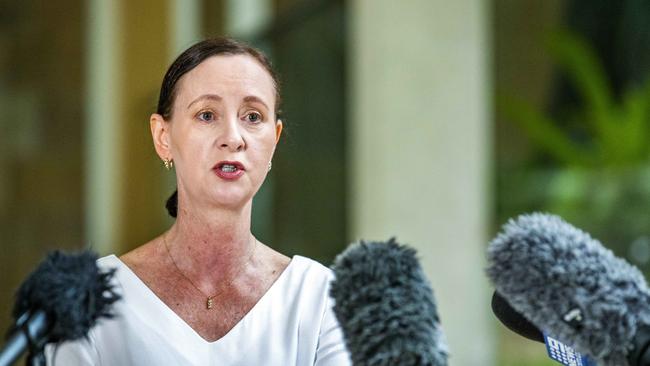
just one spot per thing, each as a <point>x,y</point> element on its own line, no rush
<point>190,59</point>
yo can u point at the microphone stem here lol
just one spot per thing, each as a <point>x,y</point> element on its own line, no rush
<point>30,335</point>
<point>14,347</point>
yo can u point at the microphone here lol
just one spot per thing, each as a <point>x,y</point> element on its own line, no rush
<point>59,301</point>
<point>514,320</point>
<point>517,323</point>
<point>385,307</point>
<point>568,285</point>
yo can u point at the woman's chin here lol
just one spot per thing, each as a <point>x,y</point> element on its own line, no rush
<point>231,199</point>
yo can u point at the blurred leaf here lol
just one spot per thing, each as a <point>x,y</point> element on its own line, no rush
<point>617,133</point>
<point>577,58</point>
<point>634,113</point>
<point>543,131</point>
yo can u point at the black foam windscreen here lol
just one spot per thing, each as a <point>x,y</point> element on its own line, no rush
<point>513,320</point>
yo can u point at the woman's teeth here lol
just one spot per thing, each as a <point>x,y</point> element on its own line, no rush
<point>228,168</point>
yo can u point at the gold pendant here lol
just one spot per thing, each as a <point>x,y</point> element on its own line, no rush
<point>209,303</point>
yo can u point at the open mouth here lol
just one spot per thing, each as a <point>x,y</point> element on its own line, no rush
<point>229,169</point>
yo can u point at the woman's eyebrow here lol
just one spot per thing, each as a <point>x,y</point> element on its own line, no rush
<point>214,97</point>
<point>252,98</point>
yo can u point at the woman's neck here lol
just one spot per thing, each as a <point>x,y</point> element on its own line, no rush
<point>211,247</point>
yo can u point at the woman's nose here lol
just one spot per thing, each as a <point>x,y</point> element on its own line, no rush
<point>231,137</point>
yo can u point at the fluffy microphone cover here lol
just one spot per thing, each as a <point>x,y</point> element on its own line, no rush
<point>386,307</point>
<point>569,285</point>
<point>71,290</point>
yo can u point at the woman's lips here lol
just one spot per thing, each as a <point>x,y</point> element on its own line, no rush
<point>229,170</point>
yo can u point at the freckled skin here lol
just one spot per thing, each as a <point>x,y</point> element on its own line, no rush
<point>210,241</point>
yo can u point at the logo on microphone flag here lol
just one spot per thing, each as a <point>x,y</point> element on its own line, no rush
<point>564,354</point>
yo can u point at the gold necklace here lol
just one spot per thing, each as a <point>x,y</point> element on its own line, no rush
<point>209,299</point>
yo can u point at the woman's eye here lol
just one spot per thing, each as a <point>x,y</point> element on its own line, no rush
<point>254,117</point>
<point>206,116</point>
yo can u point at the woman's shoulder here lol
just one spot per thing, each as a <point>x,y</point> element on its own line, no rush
<point>111,262</point>
<point>108,261</point>
<point>307,279</point>
<point>121,274</point>
<point>141,255</point>
<point>311,266</point>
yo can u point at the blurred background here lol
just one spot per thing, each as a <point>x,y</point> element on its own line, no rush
<point>433,121</point>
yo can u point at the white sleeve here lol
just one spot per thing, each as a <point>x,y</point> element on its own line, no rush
<point>331,350</point>
<point>76,353</point>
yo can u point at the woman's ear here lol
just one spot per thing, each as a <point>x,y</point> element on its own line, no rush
<point>278,130</point>
<point>160,135</point>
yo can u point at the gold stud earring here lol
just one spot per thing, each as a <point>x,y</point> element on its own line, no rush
<point>169,163</point>
<point>270,165</point>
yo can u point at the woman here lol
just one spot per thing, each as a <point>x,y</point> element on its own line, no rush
<point>207,292</point>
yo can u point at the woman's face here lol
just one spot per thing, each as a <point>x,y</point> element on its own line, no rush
<point>222,132</point>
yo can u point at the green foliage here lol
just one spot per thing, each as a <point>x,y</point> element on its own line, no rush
<point>617,132</point>
<point>601,181</point>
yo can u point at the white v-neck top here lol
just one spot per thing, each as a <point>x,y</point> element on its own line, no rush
<point>292,324</point>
